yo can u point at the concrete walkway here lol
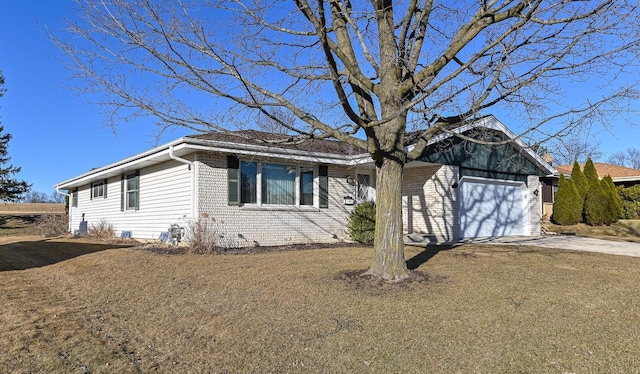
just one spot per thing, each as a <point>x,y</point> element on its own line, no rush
<point>570,242</point>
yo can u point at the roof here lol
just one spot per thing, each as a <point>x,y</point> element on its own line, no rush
<point>267,139</point>
<point>617,173</point>
<point>269,145</point>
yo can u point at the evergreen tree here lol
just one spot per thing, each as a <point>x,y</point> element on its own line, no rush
<point>596,205</point>
<point>578,178</point>
<point>591,173</point>
<point>11,189</point>
<point>567,207</point>
<point>615,209</point>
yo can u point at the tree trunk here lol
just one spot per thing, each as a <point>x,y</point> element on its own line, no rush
<point>388,260</point>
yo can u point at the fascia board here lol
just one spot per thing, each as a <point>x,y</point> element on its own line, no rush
<point>626,179</point>
<point>268,152</point>
<point>129,163</point>
<point>187,145</point>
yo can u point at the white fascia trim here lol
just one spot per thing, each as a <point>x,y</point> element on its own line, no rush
<point>626,179</point>
<point>190,144</point>
<point>129,163</point>
<point>268,152</point>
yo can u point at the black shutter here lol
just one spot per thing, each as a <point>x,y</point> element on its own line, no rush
<point>233,180</point>
<point>106,181</point>
<point>323,176</point>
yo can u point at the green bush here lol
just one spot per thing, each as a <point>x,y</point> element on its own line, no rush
<point>615,207</point>
<point>362,222</point>
<point>630,197</point>
<point>567,206</point>
<point>596,206</point>
<point>577,176</point>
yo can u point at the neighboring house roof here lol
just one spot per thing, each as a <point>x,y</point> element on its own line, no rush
<point>618,173</point>
<point>263,144</point>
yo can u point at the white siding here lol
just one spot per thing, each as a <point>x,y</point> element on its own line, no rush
<point>251,225</point>
<point>165,198</point>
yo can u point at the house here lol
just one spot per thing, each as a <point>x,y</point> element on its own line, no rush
<point>261,189</point>
<point>620,175</point>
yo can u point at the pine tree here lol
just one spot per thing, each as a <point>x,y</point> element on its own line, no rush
<point>11,189</point>
<point>591,173</point>
<point>596,205</point>
<point>578,178</point>
<point>567,206</point>
<point>615,209</point>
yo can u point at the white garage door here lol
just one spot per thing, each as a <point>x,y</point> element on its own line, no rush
<point>490,207</point>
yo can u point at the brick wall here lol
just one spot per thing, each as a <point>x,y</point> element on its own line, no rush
<point>270,225</point>
<point>430,202</point>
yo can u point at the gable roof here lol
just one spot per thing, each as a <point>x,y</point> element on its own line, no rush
<point>617,173</point>
<point>491,123</point>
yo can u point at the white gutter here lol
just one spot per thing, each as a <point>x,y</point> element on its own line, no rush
<point>69,206</point>
<point>192,171</point>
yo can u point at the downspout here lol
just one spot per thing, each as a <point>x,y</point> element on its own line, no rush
<point>69,206</point>
<point>193,179</point>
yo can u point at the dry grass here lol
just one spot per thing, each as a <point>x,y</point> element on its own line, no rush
<point>624,230</point>
<point>31,208</point>
<point>500,309</point>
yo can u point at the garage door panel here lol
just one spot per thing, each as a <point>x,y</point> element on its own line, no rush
<point>491,208</point>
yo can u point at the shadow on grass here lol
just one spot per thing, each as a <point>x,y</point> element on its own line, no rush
<point>429,252</point>
<point>32,254</point>
<point>8,222</point>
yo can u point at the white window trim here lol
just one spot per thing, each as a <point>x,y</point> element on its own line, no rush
<point>297,192</point>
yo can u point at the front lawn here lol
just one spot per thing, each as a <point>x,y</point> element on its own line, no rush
<point>625,230</point>
<point>486,309</point>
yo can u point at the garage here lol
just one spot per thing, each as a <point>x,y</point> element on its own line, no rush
<point>492,207</point>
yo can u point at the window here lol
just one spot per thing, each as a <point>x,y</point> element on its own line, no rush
<point>248,182</point>
<point>130,191</point>
<point>363,187</point>
<point>272,184</point>
<point>74,198</point>
<point>306,186</point>
<point>278,184</point>
<point>99,189</point>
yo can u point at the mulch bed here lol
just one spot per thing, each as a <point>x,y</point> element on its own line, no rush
<point>174,250</point>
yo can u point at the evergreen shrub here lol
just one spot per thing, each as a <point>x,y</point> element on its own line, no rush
<point>596,206</point>
<point>567,206</point>
<point>577,176</point>
<point>615,207</point>
<point>630,197</point>
<point>361,224</point>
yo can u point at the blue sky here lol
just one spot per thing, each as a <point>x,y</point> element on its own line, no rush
<point>58,134</point>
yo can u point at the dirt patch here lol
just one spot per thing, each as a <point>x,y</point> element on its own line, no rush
<point>358,279</point>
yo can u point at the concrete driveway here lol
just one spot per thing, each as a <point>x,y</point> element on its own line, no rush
<point>571,242</point>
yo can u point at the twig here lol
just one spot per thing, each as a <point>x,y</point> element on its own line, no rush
<point>516,303</point>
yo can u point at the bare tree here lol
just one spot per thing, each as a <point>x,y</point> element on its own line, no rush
<point>629,158</point>
<point>344,68</point>
<point>575,146</point>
